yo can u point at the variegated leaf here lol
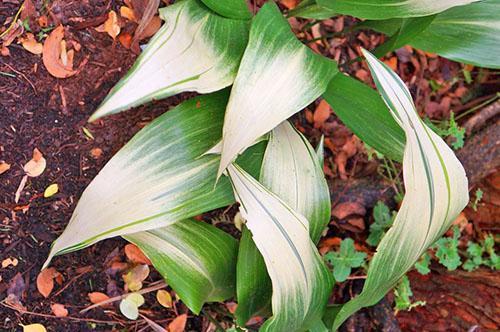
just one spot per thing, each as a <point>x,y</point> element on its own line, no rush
<point>195,50</point>
<point>436,191</point>
<point>278,77</point>
<point>383,9</point>
<point>292,170</point>
<point>159,177</point>
<point>301,281</point>
<point>196,259</point>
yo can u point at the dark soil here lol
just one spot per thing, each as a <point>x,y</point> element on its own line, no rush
<point>40,111</point>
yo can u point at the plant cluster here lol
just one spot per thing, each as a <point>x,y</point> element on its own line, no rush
<point>233,144</point>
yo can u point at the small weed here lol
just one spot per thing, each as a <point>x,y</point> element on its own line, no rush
<point>344,260</point>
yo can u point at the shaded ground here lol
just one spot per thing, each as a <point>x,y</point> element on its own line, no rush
<point>40,111</point>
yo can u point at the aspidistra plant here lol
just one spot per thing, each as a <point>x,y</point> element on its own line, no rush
<point>236,145</point>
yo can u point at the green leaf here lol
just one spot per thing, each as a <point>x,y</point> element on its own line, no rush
<point>161,176</point>
<point>195,50</point>
<point>422,265</point>
<point>469,34</point>
<point>292,171</point>
<point>196,259</point>
<point>237,9</point>
<point>278,77</point>
<point>362,110</point>
<point>475,256</point>
<point>301,281</point>
<point>436,191</point>
<point>382,221</point>
<point>447,251</point>
<point>403,294</point>
<point>384,9</point>
<point>345,260</point>
<point>310,9</point>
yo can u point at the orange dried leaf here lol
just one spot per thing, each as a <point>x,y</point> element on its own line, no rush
<point>178,324</point>
<point>135,255</point>
<point>321,114</point>
<point>128,13</point>
<point>31,45</point>
<point>59,310</point>
<point>125,39</point>
<point>164,298</point>
<point>45,281</point>
<point>4,167</point>
<point>289,4</point>
<point>392,62</point>
<point>110,26</point>
<point>52,55</point>
<point>97,297</point>
<point>36,165</point>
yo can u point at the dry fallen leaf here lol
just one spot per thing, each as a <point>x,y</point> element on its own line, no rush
<point>321,114</point>
<point>128,13</point>
<point>52,55</point>
<point>178,324</point>
<point>20,188</point>
<point>346,209</point>
<point>110,26</point>
<point>45,281</point>
<point>9,261</point>
<point>34,328</point>
<point>59,310</point>
<point>164,298</point>
<point>51,190</point>
<point>134,278</point>
<point>4,167</point>
<point>31,45</point>
<point>97,297</point>
<point>36,165</point>
<point>289,4</point>
<point>135,255</point>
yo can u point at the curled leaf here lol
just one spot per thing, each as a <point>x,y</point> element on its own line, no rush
<point>52,55</point>
<point>31,45</point>
<point>110,26</point>
<point>129,306</point>
<point>135,255</point>
<point>36,165</point>
<point>134,278</point>
<point>45,281</point>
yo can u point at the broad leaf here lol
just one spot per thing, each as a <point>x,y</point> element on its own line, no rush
<point>364,112</point>
<point>310,9</point>
<point>383,9</point>
<point>237,9</point>
<point>195,50</point>
<point>278,76</point>
<point>436,192</point>
<point>469,34</point>
<point>196,259</point>
<point>290,169</point>
<point>158,178</point>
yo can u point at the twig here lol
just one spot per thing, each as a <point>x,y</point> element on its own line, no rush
<point>22,75</point>
<point>72,281</point>
<point>155,286</point>
<point>477,120</point>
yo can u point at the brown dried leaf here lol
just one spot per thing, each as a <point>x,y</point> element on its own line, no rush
<point>31,45</point>
<point>4,167</point>
<point>52,55</point>
<point>321,114</point>
<point>343,210</point>
<point>59,310</point>
<point>135,255</point>
<point>178,324</point>
<point>97,297</point>
<point>36,165</point>
<point>110,26</point>
<point>45,281</point>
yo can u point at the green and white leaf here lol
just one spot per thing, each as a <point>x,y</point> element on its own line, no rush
<point>196,259</point>
<point>158,178</point>
<point>383,9</point>
<point>301,281</point>
<point>469,34</point>
<point>237,9</point>
<point>195,50</point>
<point>362,110</point>
<point>278,77</point>
<point>436,191</point>
<point>292,170</point>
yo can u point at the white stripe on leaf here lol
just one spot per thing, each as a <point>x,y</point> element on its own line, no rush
<point>436,191</point>
<point>278,76</point>
<point>301,281</point>
<point>195,50</point>
<point>196,259</point>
